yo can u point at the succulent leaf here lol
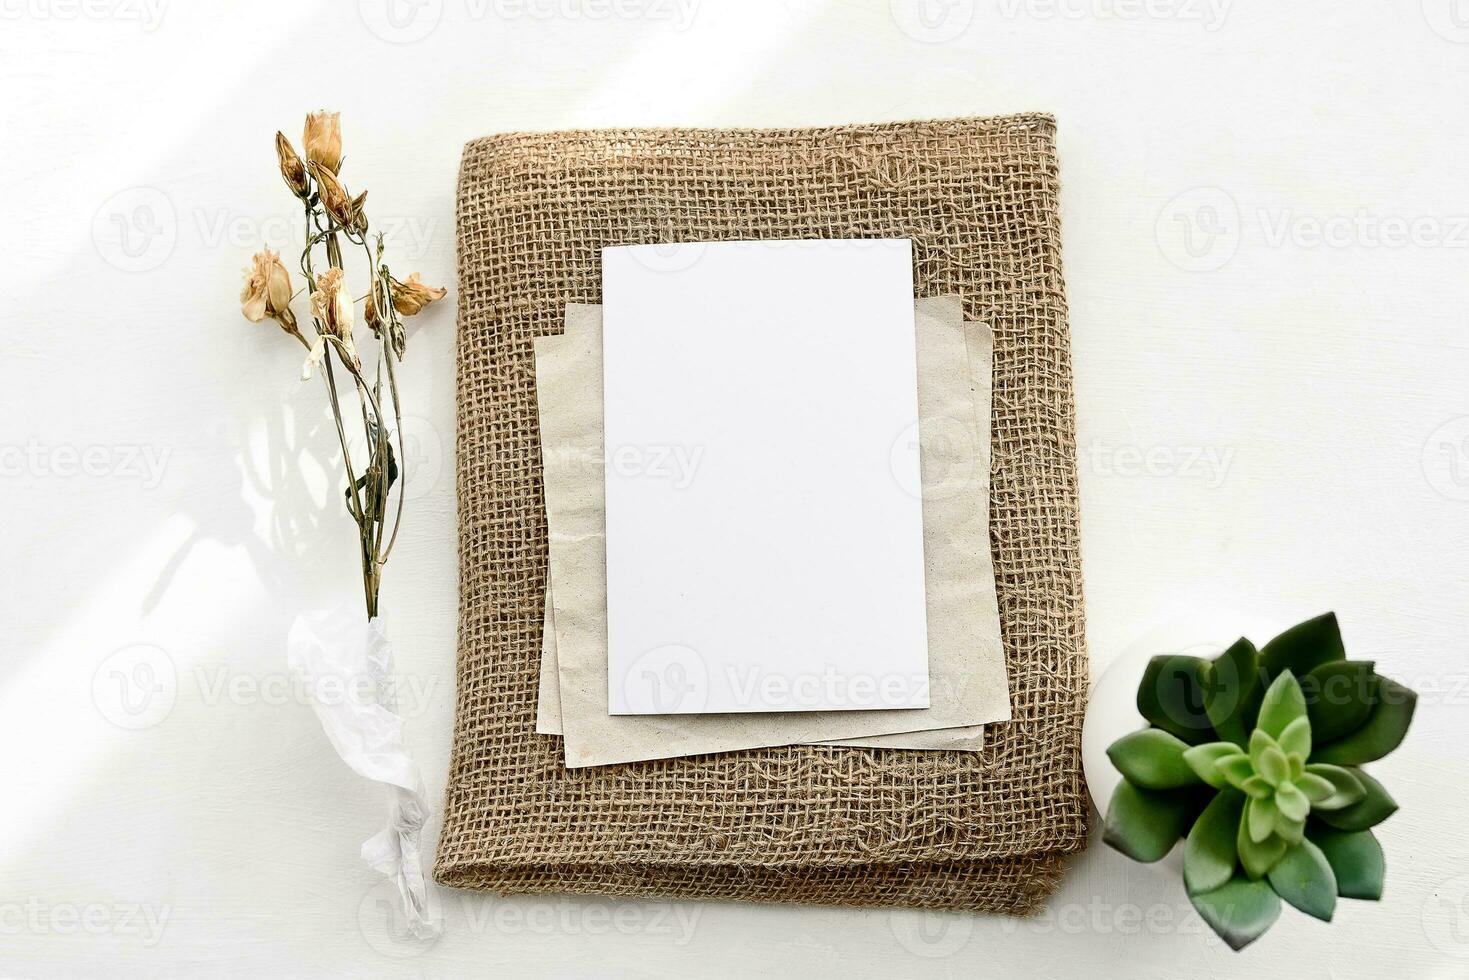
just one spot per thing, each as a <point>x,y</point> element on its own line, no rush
<point>1171,696</point>
<point>1239,911</point>
<point>1339,697</point>
<point>1379,734</point>
<point>1209,855</point>
<point>1304,879</point>
<point>1288,830</point>
<point>1233,696</point>
<point>1274,766</point>
<point>1317,788</point>
<point>1291,802</point>
<point>1355,858</point>
<point>1283,704</point>
<point>1296,738</point>
<point>1152,759</point>
<point>1145,824</point>
<point>1257,857</point>
<point>1258,787</point>
<point>1373,808</point>
<point>1260,740</point>
<point>1260,814</point>
<point>1205,759</point>
<point>1346,788</point>
<point>1237,770</point>
<point>1304,647</point>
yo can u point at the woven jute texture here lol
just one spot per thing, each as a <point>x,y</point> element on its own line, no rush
<point>845,826</point>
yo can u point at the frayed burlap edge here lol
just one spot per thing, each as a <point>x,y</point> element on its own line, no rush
<point>1014,887</point>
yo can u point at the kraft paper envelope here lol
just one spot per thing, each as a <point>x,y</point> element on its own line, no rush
<point>966,658</point>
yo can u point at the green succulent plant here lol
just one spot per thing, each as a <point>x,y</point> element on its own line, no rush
<point>1253,759</point>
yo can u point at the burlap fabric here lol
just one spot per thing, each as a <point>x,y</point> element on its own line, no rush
<point>820,824</point>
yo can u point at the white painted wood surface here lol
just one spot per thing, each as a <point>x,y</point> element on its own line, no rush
<point>1265,243</point>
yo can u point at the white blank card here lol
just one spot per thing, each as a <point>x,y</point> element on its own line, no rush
<point>764,543</point>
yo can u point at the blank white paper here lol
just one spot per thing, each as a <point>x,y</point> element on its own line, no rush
<point>760,408</point>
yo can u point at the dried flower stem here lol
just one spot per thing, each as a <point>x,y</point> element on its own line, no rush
<point>330,214</point>
<point>368,491</point>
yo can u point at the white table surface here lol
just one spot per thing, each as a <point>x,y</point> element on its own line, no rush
<point>1266,227</point>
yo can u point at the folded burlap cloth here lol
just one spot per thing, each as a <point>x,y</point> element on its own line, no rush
<point>820,824</point>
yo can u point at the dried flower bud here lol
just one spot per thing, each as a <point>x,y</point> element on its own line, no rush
<point>324,140</point>
<point>370,314</point>
<point>398,338</point>
<point>359,214</point>
<point>411,296</point>
<point>267,291</point>
<point>331,305</point>
<point>334,196</point>
<point>292,169</point>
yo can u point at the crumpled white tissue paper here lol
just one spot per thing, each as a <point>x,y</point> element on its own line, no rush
<point>345,664</point>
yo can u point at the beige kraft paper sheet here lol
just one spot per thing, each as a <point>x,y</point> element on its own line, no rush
<point>966,660</point>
